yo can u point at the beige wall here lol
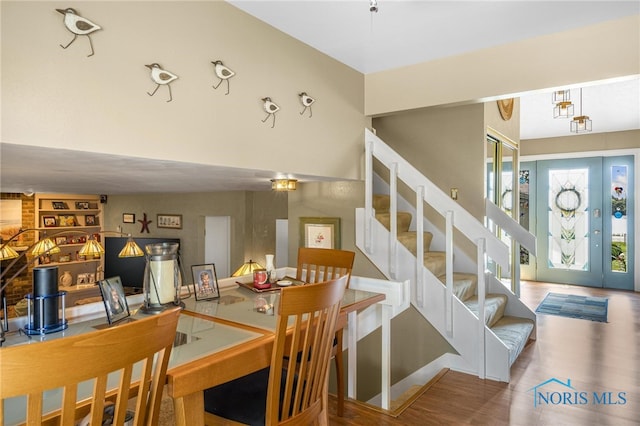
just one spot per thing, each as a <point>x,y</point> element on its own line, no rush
<point>63,99</point>
<point>581,143</point>
<point>252,214</point>
<point>548,61</point>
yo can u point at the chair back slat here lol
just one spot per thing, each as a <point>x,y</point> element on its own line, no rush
<point>113,353</point>
<point>300,396</point>
<point>317,264</point>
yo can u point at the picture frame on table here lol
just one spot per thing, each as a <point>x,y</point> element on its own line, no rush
<point>49,221</point>
<point>205,282</point>
<point>320,232</point>
<point>115,302</point>
<point>172,221</point>
<point>128,218</point>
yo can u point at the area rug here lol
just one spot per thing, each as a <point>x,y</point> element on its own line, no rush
<point>573,306</point>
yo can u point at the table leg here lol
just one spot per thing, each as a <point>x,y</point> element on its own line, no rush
<point>189,410</point>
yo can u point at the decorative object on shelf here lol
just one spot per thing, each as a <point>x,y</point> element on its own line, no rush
<point>172,221</point>
<point>66,279</point>
<point>145,223</point>
<point>67,220</point>
<point>270,108</point>
<point>128,218</point>
<point>160,76</point>
<point>284,184</point>
<point>581,123</point>
<point>82,205</point>
<point>306,101</point>
<point>90,220</point>
<point>247,268</point>
<point>115,302</point>
<point>59,205</point>
<point>78,26</point>
<point>271,269</point>
<point>505,106</point>
<point>205,282</point>
<point>49,221</point>
<point>224,74</point>
<point>320,232</point>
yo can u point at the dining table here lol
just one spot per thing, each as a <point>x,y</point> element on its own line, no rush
<point>252,314</point>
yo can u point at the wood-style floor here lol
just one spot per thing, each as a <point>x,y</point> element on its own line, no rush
<point>596,357</point>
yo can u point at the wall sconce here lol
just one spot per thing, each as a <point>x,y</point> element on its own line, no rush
<point>284,184</point>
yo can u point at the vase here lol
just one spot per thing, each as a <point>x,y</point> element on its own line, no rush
<point>66,279</point>
<point>271,269</point>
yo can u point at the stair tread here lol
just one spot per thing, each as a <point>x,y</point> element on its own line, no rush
<point>494,304</point>
<point>464,285</point>
<point>514,332</point>
<point>403,220</point>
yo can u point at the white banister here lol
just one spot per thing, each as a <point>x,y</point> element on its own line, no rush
<point>368,195</point>
<point>482,291</point>
<point>448,252</point>
<point>393,211</point>
<point>420,246</point>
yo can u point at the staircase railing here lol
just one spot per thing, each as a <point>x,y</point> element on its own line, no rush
<point>456,218</point>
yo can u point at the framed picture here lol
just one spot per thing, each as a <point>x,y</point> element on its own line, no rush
<point>61,240</point>
<point>320,232</point>
<point>59,205</point>
<point>115,302</point>
<point>173,221</point>
<point>67,220</point>
<point>205,282</point>
<point>49,221</point>
<point>82,205</point>
<point>82,279</point>
<point>128,218</point>
<point>89,220</point>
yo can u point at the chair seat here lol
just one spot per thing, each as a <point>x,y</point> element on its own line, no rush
<point>242,400</point>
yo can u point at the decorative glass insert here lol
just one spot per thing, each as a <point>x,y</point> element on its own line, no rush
<point>523,182</point>
<point>619,226</point>
<point>568,206</point>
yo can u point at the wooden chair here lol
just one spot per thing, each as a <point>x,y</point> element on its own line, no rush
<point>32,369</point>
<point>287,393</point>
<point>316,264</point>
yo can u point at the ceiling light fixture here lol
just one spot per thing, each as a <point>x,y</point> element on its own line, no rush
<point>581,123</point>
<point>563,106</point>
<point>284,184</point>
<point>561,96</point>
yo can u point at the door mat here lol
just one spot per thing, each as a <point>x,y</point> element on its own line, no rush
<point>573,306</point>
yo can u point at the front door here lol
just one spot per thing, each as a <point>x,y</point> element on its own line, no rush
<point>584,221</point>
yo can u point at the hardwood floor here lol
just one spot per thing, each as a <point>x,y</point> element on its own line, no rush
<point>596,357</point>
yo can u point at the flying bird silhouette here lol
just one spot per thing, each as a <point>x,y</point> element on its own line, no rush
<point>306,101</point>
<point>78,26</point>
<point>160,76</point>
<point>271,109</point>
<point>224,73</point>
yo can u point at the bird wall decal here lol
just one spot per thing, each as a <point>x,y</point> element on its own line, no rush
<point>78,26</point>
<point>161,76</point>
<point>223,72</point>
<point>306,101</point>
<point>271,109</point>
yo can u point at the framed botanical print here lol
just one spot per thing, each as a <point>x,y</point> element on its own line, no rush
<point>320,232</point>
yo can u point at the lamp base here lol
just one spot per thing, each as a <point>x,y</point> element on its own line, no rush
<point>156,309</point>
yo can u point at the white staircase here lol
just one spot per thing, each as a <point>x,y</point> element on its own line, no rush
<point>484,321</point>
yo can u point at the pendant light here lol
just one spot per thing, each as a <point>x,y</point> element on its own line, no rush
<point>581,123</point>
<point>563,106</point>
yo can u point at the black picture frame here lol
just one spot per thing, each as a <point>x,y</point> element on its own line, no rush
<point>49,221</point>
<point>59,205</point>
<point>200,288</point>
<point>128,218</point>
<point>90,220</point>
<point>82,205</point>
<point>115,302</point>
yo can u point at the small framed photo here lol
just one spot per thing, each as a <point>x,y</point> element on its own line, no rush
<point>59,205</point>
<point>67,220</point>
<point>173,221</point>
<point>82,205</point>
<point>320,232</point>
<point>128,218</point>
<point>90,220</point>
<point>49,221</point>
<point>61,240</point>
<point>115,302</point>
<point>82,279</point>
<point>205,282</point>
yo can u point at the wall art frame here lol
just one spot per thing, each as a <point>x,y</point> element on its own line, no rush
<point>128,218</point>
<point>172,221</point>
<point>320,232</point>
